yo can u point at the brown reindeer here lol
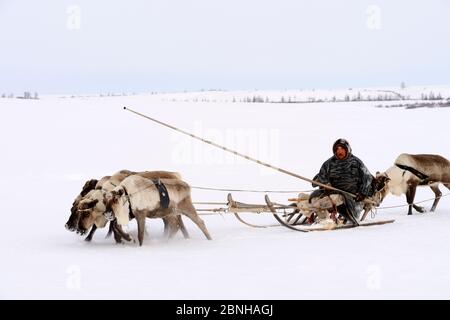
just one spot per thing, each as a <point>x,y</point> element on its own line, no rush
<point>139,197</point>
<point>85,203</point>
<point>92,210</point>
<point>71,224</point>
<point>379,187</point>
<point>412,170</point>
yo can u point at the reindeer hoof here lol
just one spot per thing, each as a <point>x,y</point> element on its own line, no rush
<point>420,209</point>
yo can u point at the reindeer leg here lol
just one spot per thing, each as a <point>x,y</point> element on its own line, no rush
<point>166,228</point>
<point>116,233</point>
<point>141,227</point>
<point>410,195</point>
<point>183,227</point>
<point>173,227</point>
<point>118,229</point>
<point>366,211</point>
<point>117,236</point>
<point>110,229</point>
<point>438,195</point>
<point>91,233</point>
<point>187,208</point>
<point>176,223</point>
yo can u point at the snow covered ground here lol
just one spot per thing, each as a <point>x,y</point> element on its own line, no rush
<point>52,145</point>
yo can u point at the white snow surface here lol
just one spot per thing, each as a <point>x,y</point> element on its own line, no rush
<point>51,146</point>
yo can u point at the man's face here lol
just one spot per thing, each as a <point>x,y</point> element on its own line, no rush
<point>341,153</point>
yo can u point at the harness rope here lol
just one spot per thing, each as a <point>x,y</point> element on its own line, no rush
<point>406,205</point>
<point>127,196</point>
<point>250,190</point>
<point>373,211</point>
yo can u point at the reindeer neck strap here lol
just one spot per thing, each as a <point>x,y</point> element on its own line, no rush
<point>131,214</point>
<point>163,193</point>
<point>416,172</point>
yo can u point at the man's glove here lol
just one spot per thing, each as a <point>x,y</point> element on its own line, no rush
<point>360,197</point>
<point>326,191</point>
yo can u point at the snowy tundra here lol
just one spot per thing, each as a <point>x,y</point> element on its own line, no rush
<point>51,146</point>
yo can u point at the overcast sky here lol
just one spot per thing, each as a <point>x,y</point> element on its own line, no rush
<point>59,46</point>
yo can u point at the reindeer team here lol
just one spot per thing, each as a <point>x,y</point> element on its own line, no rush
<point>130,195</point>
<point>127,195</point>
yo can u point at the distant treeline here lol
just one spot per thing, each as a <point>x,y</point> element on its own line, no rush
<point>26,95</point>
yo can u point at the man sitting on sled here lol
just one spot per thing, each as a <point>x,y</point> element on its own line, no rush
<point>346,172</point>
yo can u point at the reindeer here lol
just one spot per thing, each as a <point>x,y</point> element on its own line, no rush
<point>92,210</point>
<point>139,197</point>
<point>412,170</point>
<point>71,224</point>
<point>379,186</point>
<point>85,203</point>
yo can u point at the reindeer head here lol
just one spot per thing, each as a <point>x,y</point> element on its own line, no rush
<point>88,186</point>
<point>381,185</point>
<point>71,224</point>
<point>90,211</point>
<point>111,198</point>
<point>117,204</point>
<point>85,212</point>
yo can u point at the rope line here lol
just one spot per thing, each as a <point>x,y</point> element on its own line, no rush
<point>281,206</point>
<point>406,205</point>
<point>249,190</point>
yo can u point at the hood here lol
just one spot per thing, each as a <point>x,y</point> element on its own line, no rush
<point>343,143</point>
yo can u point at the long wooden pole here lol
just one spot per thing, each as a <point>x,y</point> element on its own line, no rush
<point>240,154</point>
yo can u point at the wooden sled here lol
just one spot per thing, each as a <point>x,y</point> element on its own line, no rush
<point>295,215</point>
<point>236,208</point>
<point>321,227</point>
